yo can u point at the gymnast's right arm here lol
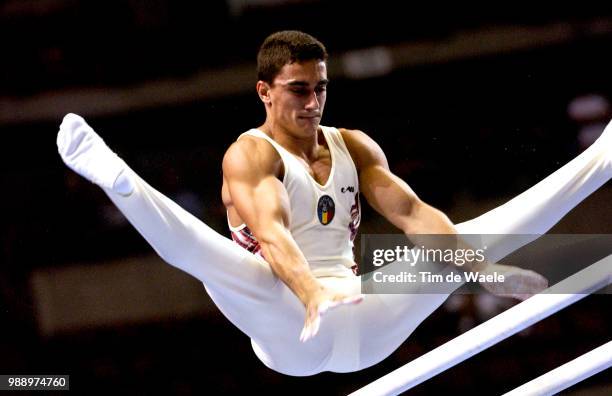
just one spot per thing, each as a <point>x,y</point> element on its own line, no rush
<point>250,174</point>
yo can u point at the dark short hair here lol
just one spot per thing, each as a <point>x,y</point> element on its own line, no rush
<point>285,47</point>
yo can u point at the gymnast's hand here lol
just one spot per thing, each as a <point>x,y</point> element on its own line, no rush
<point>318,305</point>
<point>518,283</point>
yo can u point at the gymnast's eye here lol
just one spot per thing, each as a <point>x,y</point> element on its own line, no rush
<point>299,91</point>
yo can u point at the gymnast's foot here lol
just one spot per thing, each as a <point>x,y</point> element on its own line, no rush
<point>86,153</point>
<point>518,283</point>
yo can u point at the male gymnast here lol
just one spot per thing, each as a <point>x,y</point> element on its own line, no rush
<point>292,188</point>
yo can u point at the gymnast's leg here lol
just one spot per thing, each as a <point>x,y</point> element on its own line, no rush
<point>242,285</point>
<point>538,209</point>
<point>176,235</point>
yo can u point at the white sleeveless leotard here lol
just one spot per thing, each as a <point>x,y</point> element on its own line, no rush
<point>324,218</point>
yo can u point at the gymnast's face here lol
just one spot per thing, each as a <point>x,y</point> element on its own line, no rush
<point>296,98</point>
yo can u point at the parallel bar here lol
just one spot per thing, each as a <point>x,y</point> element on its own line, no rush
<point>493,331</point>
<point>569,374</point>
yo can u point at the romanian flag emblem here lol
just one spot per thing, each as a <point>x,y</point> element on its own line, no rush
<point>326,209</point>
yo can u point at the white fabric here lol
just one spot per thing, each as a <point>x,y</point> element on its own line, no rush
<point>351,337</point>
<point>335,256</point>
<point>86,153</point>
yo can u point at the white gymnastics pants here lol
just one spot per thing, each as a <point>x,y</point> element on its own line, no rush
<point>351,337</point>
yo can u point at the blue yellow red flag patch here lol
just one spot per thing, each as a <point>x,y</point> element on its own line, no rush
<point>326,209</point>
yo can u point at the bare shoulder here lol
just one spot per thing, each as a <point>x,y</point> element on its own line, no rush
<point>251,156</point>
<point>363,149</point>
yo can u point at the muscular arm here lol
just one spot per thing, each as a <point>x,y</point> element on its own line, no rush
<point>388,194</point>
<point>249,172</point>
<point>394,199</point>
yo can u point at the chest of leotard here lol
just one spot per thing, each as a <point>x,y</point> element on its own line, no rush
<point>324,217</point>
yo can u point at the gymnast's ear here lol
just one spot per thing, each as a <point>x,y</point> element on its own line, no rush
<point>263,90</point>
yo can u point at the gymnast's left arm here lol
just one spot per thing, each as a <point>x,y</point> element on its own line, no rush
<point>390,196</point>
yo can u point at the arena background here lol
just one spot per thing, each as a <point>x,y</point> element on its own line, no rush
<point>471,105</point>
